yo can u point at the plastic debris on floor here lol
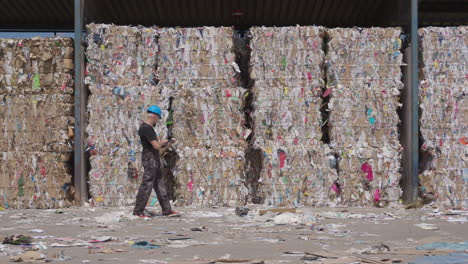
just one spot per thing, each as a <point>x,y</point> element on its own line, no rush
<point>36,120</point>
<point>444,114</point>
<point>453,258</point>
<point>364,80</point>
<point>287,66</point>
<point>197,67</point>
<point>122,83</point>
<point>462,246</point>
<point>352,235</point>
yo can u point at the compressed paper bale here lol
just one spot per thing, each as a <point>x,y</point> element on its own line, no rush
<point>297,175</point>
<point>207,121</point>
<point>290,56</point>
<point>364,80</point>
<point>121,55</point>
<point>195,55</point>
<point>287,65</point>
<point>36,113</point>
<point>35,179</point>
<point>280,89</point>
<point>113,132</point>
<point>26,60</point>
<point>197,68</point>
<point>121,77</point>
<point>216,180</point>
<point>283,121</point>
<point>442,96</point>
<point>446,184</point>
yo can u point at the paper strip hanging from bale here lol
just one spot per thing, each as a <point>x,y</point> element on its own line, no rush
<point>36,116</point>
<point>444,118</point>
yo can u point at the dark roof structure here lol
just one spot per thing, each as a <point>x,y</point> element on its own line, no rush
<point>57,15</point>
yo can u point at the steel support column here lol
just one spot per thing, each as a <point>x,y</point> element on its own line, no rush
<point>410,137</point>
<point>80,181</point>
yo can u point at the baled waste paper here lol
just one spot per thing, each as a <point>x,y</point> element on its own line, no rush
<point>197,67</point>
<point>287,66</point>
<point>36,120</point>
<point>364,77</point>
<point>122,82</point>
<point>444,114</point>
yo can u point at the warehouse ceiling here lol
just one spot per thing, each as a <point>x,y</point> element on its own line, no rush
<point>57,15</point>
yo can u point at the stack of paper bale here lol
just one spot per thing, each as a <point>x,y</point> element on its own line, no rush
<point>122,82</point>
<point>444,118</point>
<point>364,78</point>
<point>287,66</point>
<point>196,66</point>
<point>36,120</point>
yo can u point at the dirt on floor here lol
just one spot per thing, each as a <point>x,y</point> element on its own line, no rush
<point>219,235</point>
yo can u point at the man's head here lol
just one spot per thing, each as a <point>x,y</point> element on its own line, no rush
<point>153,114</point>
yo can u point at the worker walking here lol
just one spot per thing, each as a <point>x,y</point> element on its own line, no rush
<point>152,176</point>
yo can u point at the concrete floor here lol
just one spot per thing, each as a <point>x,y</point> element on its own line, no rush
<point>352,235</point>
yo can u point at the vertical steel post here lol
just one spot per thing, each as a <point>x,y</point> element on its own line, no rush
<point>79,181</point>
<point>410,137</point>
<point>414,98</point>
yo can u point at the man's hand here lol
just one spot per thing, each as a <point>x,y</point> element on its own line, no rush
<point>164,149</point>
<point>160,144</point>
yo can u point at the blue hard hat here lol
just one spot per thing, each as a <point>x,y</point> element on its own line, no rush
<point>155,110</point>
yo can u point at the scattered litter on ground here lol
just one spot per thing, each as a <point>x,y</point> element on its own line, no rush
<point>427,226</point>
<point>145,245</point>
<point>18,240</point>
<point>203,214</point>
<point>39,245</point>
<point>277,210</point>
<point>75,244</point>
<point>323,230</point>
<point>453,258</point>
<point>287,219</point>
<point>60,245</point>
<point>153,261</point>
<point>198,229</point>
<point>61,256</point>
<point>18,216</point>
<point>29,257</point>
<point>180,238</point>
<point>462,246</point>
<point>227,259</point>
<point>104,250</point>
<point>36,231</point>
<point>379,249</point>
<point>242,211</point>
<point>101,239</point>
<point>9,251</point>
<point>109,218</point>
